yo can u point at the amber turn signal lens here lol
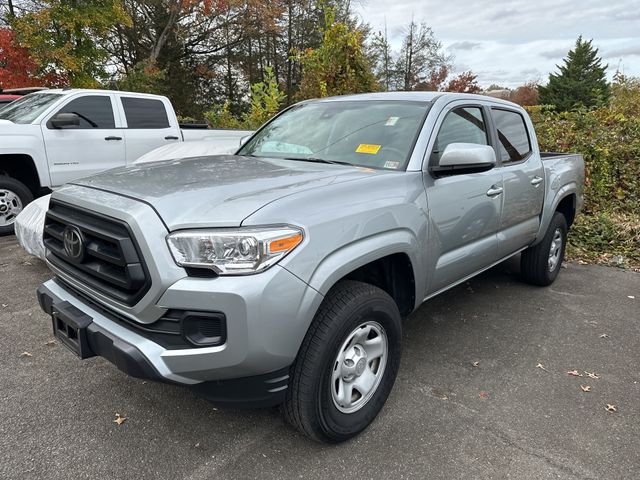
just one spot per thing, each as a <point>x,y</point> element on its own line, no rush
<point>285,244</point>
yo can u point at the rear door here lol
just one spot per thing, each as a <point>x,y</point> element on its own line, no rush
<point>93,146</point>
<point>464,209</point>
<point>523,178</point>
<point>149,125</point>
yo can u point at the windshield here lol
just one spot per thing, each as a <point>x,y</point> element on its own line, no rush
<point>375,133</point>
<point>28,108</point>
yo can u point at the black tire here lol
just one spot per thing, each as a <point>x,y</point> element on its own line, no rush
<point>21,191</point>
<point>534,263</point>
<point>309,404</point>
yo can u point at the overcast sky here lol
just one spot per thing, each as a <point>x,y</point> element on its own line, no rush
<point>509,42</point>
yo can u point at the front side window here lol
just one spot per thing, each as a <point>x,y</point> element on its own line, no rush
<point>461,125</point>
<point>145,113</point>
<point>28,108</point>
<point>94,111</point>
<point>369,133</point>
<point>513,138</point>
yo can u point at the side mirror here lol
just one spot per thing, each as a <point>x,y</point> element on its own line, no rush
<point>65,120</point>
<point>244,140</point>
<point>466,158</point>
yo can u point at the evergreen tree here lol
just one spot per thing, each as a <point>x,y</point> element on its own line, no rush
<point>581,81</point>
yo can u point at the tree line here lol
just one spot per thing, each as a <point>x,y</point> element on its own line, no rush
<point>236,62</point>
<point>208,52</point>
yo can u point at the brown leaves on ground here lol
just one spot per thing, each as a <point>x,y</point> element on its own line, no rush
<point>585,388</point>
<point>120,419</point>
<point>592,375</point>
<point>574,373</point>
<point>26,354</point>
<point>475,364</point>
<point>611,408</point>
<point>483,395</point>
<point>51,343</point>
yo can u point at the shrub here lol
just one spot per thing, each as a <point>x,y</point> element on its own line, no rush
<point>609,140</point>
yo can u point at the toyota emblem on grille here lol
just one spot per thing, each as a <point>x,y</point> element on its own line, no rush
<point>73,243</point>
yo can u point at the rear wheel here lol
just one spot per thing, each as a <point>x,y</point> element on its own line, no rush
<point>540,264</point>
<point>347,364</point>
<point>14,196</point>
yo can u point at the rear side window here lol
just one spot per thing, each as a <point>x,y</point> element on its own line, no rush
<point>461,125</point>
<point>95,111</point>
<point>145,113</point>
<point>513,137</point>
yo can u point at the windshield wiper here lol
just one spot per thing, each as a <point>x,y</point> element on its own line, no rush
<point>319,160</point>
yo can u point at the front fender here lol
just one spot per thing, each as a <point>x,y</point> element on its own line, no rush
<point>350,257</point>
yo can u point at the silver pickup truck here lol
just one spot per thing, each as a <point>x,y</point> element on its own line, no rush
<point>280,275</point>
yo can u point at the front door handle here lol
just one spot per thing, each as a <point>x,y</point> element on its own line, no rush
<point>494,191</point>
<point>112,138</point>
<point>535,181</point>
<point>171,137</point>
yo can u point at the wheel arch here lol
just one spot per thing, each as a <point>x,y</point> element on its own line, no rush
<point>22,168</point>
<point>387,261</point>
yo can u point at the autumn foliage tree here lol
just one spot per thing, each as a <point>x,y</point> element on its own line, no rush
<point>464,83</point>
<point>18,68</point>
<point>66,37</point>
<point>338,66</point>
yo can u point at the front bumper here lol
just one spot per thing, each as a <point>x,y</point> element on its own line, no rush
<point>265,326</point>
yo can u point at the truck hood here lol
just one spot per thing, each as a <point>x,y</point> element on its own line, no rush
<point>218,191</point>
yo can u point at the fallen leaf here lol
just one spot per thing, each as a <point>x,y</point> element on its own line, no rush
<point>51,343</point>
<point>604,335</point>
<point>26,354</point>
<point>27,263</point>
<point>592,375</point>
<point>585,388</point>
<point>574,373</point>
<point>475,364</point>
<point>483,395</point>
<point>541,366</point>
<point>611,408</point>
<point>119,419</point>
<point>631,297</point>
<point>4,305</point>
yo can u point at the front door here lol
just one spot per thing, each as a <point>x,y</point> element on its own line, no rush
<point>464,209</point>
<point>93,146</point>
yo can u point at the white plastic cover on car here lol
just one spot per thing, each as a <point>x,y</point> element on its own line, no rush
<point>201,148</point>
<point>29,225</point>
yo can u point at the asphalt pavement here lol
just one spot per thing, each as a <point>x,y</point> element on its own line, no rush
<point>483,393</point>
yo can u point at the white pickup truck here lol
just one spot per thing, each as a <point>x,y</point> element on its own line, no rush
<point>52,137</point>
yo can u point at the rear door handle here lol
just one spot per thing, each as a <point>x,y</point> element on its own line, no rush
<point>494,191</point>
<point>112,138</point>
<point>535,181</point>
<point>171,137</point>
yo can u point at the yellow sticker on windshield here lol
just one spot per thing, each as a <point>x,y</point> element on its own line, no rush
<point>367,148</point>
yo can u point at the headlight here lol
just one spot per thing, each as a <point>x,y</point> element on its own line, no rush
<point>233,251</point>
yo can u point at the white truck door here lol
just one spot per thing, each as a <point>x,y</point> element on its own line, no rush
<point>150,123</point>
<point>93,145</point>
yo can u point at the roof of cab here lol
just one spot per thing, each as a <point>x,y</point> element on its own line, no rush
<point>418,97</point>
<point>70,91</point>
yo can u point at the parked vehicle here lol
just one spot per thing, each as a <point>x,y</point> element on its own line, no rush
<point>280,275</point>
<point>52,137</point>
<point>5,99</point>
<point>29,223</point>
<point>11,94</point>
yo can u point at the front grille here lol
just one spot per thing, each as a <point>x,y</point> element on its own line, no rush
<point>107,260</point>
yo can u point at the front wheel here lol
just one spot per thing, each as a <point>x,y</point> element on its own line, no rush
<point>14,196</point>
<point>347,364</point>
<point>540,264</point>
